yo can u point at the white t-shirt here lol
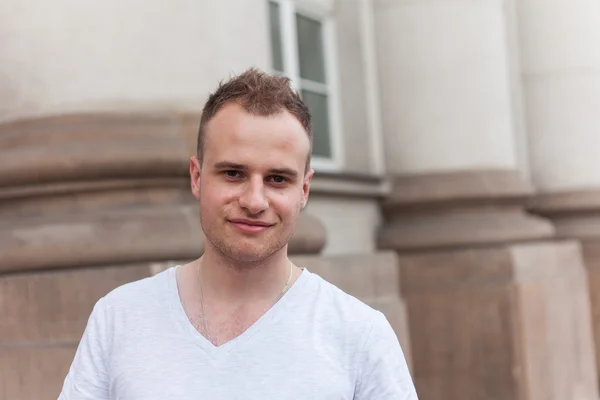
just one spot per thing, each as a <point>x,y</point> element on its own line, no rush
<point>316,342</point>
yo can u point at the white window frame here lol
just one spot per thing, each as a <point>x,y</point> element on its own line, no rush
<point>321,10</point>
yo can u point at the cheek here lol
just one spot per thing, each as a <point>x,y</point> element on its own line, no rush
<point>286,204</point>
<point>215,193</point>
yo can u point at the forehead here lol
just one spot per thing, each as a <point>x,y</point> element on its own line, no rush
<point>238,136</point>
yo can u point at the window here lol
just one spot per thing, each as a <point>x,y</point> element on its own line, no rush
<point>302,49</point>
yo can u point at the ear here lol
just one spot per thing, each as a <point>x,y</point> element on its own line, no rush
<point>195,176</point>
<point>306,186</point>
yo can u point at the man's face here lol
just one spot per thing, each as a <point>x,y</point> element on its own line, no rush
<point>252,183</point>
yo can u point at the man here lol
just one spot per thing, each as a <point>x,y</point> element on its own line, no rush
<point>241,322</point>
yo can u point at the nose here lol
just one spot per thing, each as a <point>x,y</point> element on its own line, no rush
<point>253,198</point>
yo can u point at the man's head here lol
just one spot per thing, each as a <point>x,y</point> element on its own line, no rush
<point>252,175</point>
<point>259,94</point>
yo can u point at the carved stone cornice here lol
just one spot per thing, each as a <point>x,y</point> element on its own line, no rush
<point>459,209</point>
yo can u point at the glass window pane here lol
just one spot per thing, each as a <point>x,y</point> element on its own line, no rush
<point>310,48</point>
<point>276,47</point>
<point>317,104</point>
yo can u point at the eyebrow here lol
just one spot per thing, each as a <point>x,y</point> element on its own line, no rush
<point>283,171</point>
<point>242,167</point>
<point>230,165</point>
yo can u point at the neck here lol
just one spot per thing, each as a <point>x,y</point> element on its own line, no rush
<point>224,279</point>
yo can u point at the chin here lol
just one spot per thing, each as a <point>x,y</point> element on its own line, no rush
<point>249,253</point>
<point>248,259</point>
<point>250,250</point>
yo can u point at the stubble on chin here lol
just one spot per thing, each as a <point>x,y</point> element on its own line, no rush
<point>244,255</point>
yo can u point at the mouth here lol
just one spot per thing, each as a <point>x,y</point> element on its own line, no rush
<point>248,226</point>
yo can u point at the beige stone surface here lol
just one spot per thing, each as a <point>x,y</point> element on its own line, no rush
<point>560,66</point>
<point>156,56</point>
<point>566,202</point>
<point>576,215</point>
<point>555,313</point>
<point>34,373</point>
<point>352,50</point>
<point>54,306</point>
<point>444,81</point>
<point>448,188</point>
<point>459,209</point>
<point>103,237</point>
<point>25,202</point>
<point>461,227</point>
<point>96,146</point>
<point>504,322</point>
<point>351,224</point>
<point>309,236</point>
<point>591,253</point>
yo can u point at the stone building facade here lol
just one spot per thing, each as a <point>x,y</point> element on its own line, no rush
<point>457,159</point>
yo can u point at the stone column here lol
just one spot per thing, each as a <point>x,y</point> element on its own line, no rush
<point>560,60</point>
<point>481,277</point>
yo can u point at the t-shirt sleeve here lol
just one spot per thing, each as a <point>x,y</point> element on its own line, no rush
<point>88,375</point>
<point>382,371</point>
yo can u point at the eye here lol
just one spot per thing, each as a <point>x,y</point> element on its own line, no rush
<point>278,179</point>
<point>232,174</point>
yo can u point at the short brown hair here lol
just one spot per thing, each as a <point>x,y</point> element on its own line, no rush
<point>260,94</point>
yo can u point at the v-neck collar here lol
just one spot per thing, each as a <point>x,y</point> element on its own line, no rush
<point>187,328</point>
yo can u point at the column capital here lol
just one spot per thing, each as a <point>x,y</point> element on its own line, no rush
<point>459,209</point>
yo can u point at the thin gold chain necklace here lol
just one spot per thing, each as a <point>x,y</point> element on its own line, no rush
<point>204,323</point>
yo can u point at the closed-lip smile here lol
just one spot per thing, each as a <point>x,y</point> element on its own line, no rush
<point>249,226</point>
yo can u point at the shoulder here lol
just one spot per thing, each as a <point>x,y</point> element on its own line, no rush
<point>380,364</point>
<point>142,293</point>
<point>353,314</point>
<point>341,301</point>
<point>356,328</point>
<point>343,314</point>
